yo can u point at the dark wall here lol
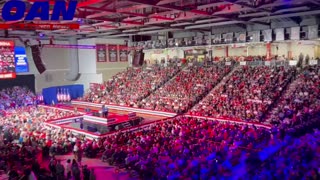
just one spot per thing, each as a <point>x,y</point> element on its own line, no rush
<point>20,80</point>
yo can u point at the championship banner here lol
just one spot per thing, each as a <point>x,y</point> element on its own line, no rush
<point>189,41</point>
<point>295,33</point>
<point>148,44</point>
<point>228,37</point>
<point>279,34</point>
<point>113,53</point>
<point>163,44</point>
<point>199,41</point>
<point>171,43</point>
<point>157,44</point>
<point>267,34</point>
<point>207,40</point>
<point>313,32</point>
<point>101,50</point>
<point>123,51</point>
<point>241,37</point>
<point>216,39</point>
<point>255,36</point>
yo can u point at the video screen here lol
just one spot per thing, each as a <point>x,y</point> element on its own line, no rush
<point>21,60</point>
<point>7,60</point>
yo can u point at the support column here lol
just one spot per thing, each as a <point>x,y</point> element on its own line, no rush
<point>227,51</point>
<point>268,47</point>
<point>73,73</point>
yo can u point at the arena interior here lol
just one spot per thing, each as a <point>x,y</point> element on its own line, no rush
<point>162,90</point>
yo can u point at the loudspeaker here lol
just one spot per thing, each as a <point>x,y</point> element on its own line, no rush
<point>36,56</point>
<point>138,58</point>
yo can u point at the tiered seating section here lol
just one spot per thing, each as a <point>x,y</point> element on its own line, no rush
<point>301,103</point>
<point>129,87</point>
<point>246,94</point>
<point>186,89</point>
<point>197,148</point>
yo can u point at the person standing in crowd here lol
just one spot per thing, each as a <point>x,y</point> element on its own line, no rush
<point>75,170</point>
<point>60,171</point>
<point>79,155</point>
<point>105,111</point>
<point>86,173</point>
<point>92,175</point>
<point>75,151</point>
<point>69,168</point>
<point>52,167</point>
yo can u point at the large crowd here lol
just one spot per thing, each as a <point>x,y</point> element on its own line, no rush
<point>186,89</point>
<point>301,103</point>
<point>129,87</point>
<point>246,94</point>
<point>180,147</point>
<point>187,148</point>
<point>15,97</point>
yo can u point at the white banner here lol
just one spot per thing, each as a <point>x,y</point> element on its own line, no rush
<point>267,35</point>
<point>279,34</point>
<point>256,36</point>
<point>295,33</point>
<point>313,32</point>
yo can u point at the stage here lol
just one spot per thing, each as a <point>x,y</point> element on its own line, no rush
<point>90,124</point>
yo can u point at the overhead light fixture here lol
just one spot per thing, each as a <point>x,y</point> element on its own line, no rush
<point>213,24</point>
<point>181,24</point>
<point>149,28</point>
<point>122,35</point>
<point>130,30</point>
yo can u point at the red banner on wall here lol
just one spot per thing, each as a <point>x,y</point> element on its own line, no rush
<point>113,53</point>
<point>268,51</point>
<point>123,51</point>
<point>7,60</point>
<point>101,53</point>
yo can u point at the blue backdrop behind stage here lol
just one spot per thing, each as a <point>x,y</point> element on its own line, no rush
<point>50,94</point>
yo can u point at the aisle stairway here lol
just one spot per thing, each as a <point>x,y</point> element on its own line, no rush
<point>288,90</point>
<point>223,81</point>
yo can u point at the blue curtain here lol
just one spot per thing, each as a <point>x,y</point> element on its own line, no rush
<point>50,94</point>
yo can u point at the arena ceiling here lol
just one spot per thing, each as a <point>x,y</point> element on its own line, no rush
<point>123,18</point>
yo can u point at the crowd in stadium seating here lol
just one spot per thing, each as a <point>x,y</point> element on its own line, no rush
<point>298,159</point>
<point>302,101</point>
<point>246,94</point>
<point>184,148</point>
<point>129,87</point>
<point>186,89</point>
<point>16,96</point>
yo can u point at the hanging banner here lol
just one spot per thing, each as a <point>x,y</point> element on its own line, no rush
<point>216,39</point>
<point>123,51</point>
<point>241,37</point>
<point>255,36</point>
<point>313,32</point>
<point>295,33</point>
<point>279,34</point>
<point>113,53</point>
<point>267,34</point>
<point>101,50</point>
<point>171,43</point>
<point>228,37</point>
<point>199,41</point>
<point>207,40</point>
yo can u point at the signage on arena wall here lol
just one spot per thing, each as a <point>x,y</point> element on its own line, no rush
<point>15,10</point>
<point>21,60</point>
<point>101,52</point>
<point>7,61</point>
